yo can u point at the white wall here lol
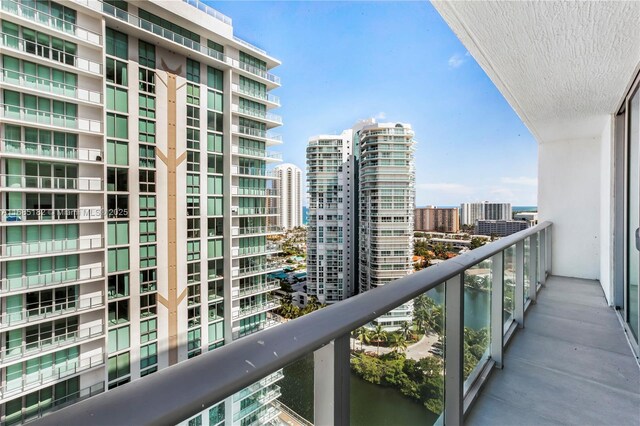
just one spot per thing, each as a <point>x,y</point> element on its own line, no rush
<point>569,195</point>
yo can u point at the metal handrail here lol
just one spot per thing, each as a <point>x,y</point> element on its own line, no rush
<point>189,386</point>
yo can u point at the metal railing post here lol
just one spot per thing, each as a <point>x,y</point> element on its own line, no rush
<point>533,267</point>
<point>518,314</point>
<point>454,351</point>
<point>497,307</point>
<point>542,261</point>
<point>331,383</point>
<point>549,232</point>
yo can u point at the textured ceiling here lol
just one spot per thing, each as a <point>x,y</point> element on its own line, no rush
<point>563,66</point>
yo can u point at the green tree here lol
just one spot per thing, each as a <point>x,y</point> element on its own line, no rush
<point>476,242</point>
<point>398,343</point>
<point>378,335</point>
<point>363,335</point>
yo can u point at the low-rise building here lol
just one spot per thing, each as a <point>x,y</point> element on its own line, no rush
<point>500,228</point>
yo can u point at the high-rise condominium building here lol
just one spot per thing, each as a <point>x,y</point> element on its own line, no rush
<point>439,219</point>
<point>290,192</point>
<point>387,203</point>
<point>133,178</point>
<point>331,232</point>
<point>470,213</point>
<point>361,205</point>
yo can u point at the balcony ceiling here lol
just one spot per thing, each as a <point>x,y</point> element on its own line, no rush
<point>563,66</point>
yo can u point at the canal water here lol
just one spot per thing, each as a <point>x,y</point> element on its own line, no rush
<point>374,405</point>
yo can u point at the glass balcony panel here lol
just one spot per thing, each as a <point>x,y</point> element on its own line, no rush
<point>477,319</point>
<point>509,285</point>
<point>527,265</point>
<point>397,364</point>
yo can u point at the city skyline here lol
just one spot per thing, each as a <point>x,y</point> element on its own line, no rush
<point>461,156</point>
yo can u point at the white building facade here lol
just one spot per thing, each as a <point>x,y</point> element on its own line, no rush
<point>134,197</point>
<point>470,213</point>
<point>289,182</point>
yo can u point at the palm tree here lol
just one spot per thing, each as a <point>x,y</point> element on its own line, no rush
<point>405,330</point>
<point>378,335</point>
<point>362,334</point>
<point>399,343</point>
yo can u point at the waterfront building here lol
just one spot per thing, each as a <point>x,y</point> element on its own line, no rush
<point>134,187</point>
<point>437,219</point>
<point>331,230</point>
<point>361,203</point>
<point>500,228</point>
<point>470,213</point>
<point>289,180</point>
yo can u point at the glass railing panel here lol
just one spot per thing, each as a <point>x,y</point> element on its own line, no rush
<point>527,266</point>
<point>397,364</point>
<point>509,286</point>
<point>297,392</point>
<point>477,319</point>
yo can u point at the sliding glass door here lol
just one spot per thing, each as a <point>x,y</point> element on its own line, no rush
<point>632,232</point>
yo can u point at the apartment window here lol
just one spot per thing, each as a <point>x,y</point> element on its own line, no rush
<point>193,276</point>
<point>148,355</point>
<point>214,206</point>
<point>117,152</point>
<point>193,206</point>
<point>119,366</point>
<point>147,156</point>
<point>253,61</point>
<point>146,54</point>
<point>193,250</point>
<point>118,286</point>
<point>193,138</point>
<point>147,80</point>
<point>146,131</point>
<point>214,164</point>
<point>193,71</point>
<point>147,106</point>
<point>214,121</point>
<point>148,206</point>
<point>193,94</point>
<point>117,233</point>
<point>117,206</point>
<point>148,330</point>
<point>117,126</point>
<point>193,317</point>
<point>148,256</point>
<point>117,99</point>
<point>193,339</point>
<point>215,289</point>
<point>214,143</point>
<point>147,179</point>
<point>116,72</point>
<point>193,161</point>
<point>147,305</point>
<point>116,44</point>
<point>147,231</point>
<point>118,339</point>
<point>214,226</point>
<point>193,116</point>
<point>117,179</point>
<point>215,312</point>
<point>193,227</point>
<point>118,312</point>
<point>118,259</point>
<point>214,78</point>
<point>148,280</point>
<point>215,46</point>
<point>214,100</point>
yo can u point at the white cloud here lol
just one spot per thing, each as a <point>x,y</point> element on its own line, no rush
<point>457,60</point>
<point>520,180</point>
<point>381,115</point>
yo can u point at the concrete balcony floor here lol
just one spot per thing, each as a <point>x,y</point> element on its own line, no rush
<point>571,364</point>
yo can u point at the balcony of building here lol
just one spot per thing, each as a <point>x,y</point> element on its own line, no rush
<point>562,317</point>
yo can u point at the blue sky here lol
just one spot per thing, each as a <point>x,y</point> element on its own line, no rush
<point>396,61</point>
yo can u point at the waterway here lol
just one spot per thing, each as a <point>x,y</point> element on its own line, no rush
<point>374,405</point>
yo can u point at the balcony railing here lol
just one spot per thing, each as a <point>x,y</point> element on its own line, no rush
<point>257,133</point>
<point>48,52</point>
<point>57,23</point>
<point>256,113</point>
<point>51,151</point>
<point>263,96</point>
<point>53,373</point>
<point>48,118</point>
<point>523,257</point>
<point>50,182</point>
<point>56,88</point>
<point>56,309</point>
<point>19,349</point>
<point>87,242</point>
<point>209,11</point>
<point>30,282</point>
<point>47,214</point>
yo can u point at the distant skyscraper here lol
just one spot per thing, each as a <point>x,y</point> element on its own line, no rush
<point>289,185</point>
<point>361,188</point>
<point>470,213</point>
<point>331,186</point>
